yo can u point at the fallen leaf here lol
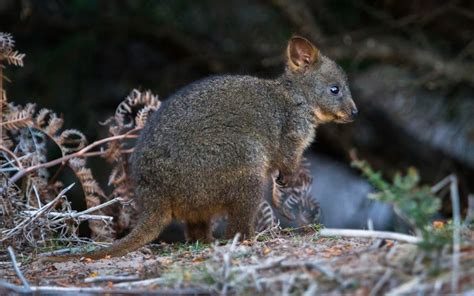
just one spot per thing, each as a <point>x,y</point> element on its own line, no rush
<point>87,259</point>
<point>438,224</point>
<point>198,259</point>
<point>266,251</point>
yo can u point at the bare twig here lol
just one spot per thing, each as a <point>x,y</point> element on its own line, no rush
<point>143,283</point>
<point>228,264</point>
<point>441,184</point>
<point>313,265</point>
<point>456,233</point>
<point>17,269</point>
<point>79,290</point>
<point>98,207</point>
<point>325,232</point>
<point>405,288</point>
<point>73,215</point>
<point>111,278</point>
<point>60,252</point>
<point>386,276</point>
<point>7,151</point>
<point>36,215</point>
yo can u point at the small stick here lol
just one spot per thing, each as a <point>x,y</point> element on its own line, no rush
<point>441,184</point>
<point>98,207</point>
<point>148,282</point>
<point>7,151</point>
<point>325,232</point>
<point>73,215</point>
<point>36,215</point>
<point>386,276</point>
<point>17,269</point>
<point>111,278</point>
<point>59,252</point>
<point>456,234</point>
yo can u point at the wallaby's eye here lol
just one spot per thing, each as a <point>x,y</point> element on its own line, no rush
<point>334,89</point>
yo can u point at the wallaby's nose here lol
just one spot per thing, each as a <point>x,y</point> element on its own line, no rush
<point>354,113</point>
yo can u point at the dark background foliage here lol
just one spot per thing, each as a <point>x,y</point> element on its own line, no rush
<point>410,64</point>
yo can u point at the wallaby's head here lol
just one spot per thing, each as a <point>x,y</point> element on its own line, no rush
<point>321,82</point>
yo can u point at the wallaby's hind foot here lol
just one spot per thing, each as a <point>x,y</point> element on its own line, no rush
<point>199,231</point>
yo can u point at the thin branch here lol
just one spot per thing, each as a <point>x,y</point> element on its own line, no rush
<point>329,232</point>
<point>441,184</point>
<point>17,269</point>
<point>98,207</point>
<point>142,283</point>
<point>9,152</point>
<point>378,286</point>
<point>103,152</point>
<point>39,213</point>
<point>456,233</point>
<point>111,278</point>
<point>73,215</point>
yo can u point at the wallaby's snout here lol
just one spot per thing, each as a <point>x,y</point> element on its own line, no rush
<point>354,113</point>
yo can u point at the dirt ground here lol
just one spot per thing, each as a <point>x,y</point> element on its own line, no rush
<point>274,263</point>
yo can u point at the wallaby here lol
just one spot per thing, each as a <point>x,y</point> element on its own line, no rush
<point>212,146</point>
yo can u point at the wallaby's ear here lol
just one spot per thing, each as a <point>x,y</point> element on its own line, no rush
<point>301,54</point>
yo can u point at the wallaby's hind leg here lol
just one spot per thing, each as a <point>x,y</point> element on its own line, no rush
<point>199,231</point>
<point>242,208</point>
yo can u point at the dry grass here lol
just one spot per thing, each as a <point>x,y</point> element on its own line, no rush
<point>279,262</point>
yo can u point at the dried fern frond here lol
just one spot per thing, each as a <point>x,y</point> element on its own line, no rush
<point>142,116</point>
<point>42,117</point>
<point>89,184</point>
<point>6,140</point>
<point>265,217</point>
<point>7,53</point>
<point>14,58</point>
<point>71,140</point>
<point>76,163</point>
<point>295,201</point>
<point>6,200</point>
<point>100,231</point>
<point>3,98</point>
<point>113,152</point>
<point>6,42</point>
<point>134,99</point>
<point>54,125</point>
<point>17,117</point>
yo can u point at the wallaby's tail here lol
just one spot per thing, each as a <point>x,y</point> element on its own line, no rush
<point>147,229</point>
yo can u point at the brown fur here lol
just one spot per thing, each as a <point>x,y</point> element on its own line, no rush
<point>213,145</point>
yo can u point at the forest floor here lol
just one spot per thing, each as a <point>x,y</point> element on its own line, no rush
<point>274,263</point>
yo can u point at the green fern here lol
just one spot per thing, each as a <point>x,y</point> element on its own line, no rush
<point>412,201</point>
